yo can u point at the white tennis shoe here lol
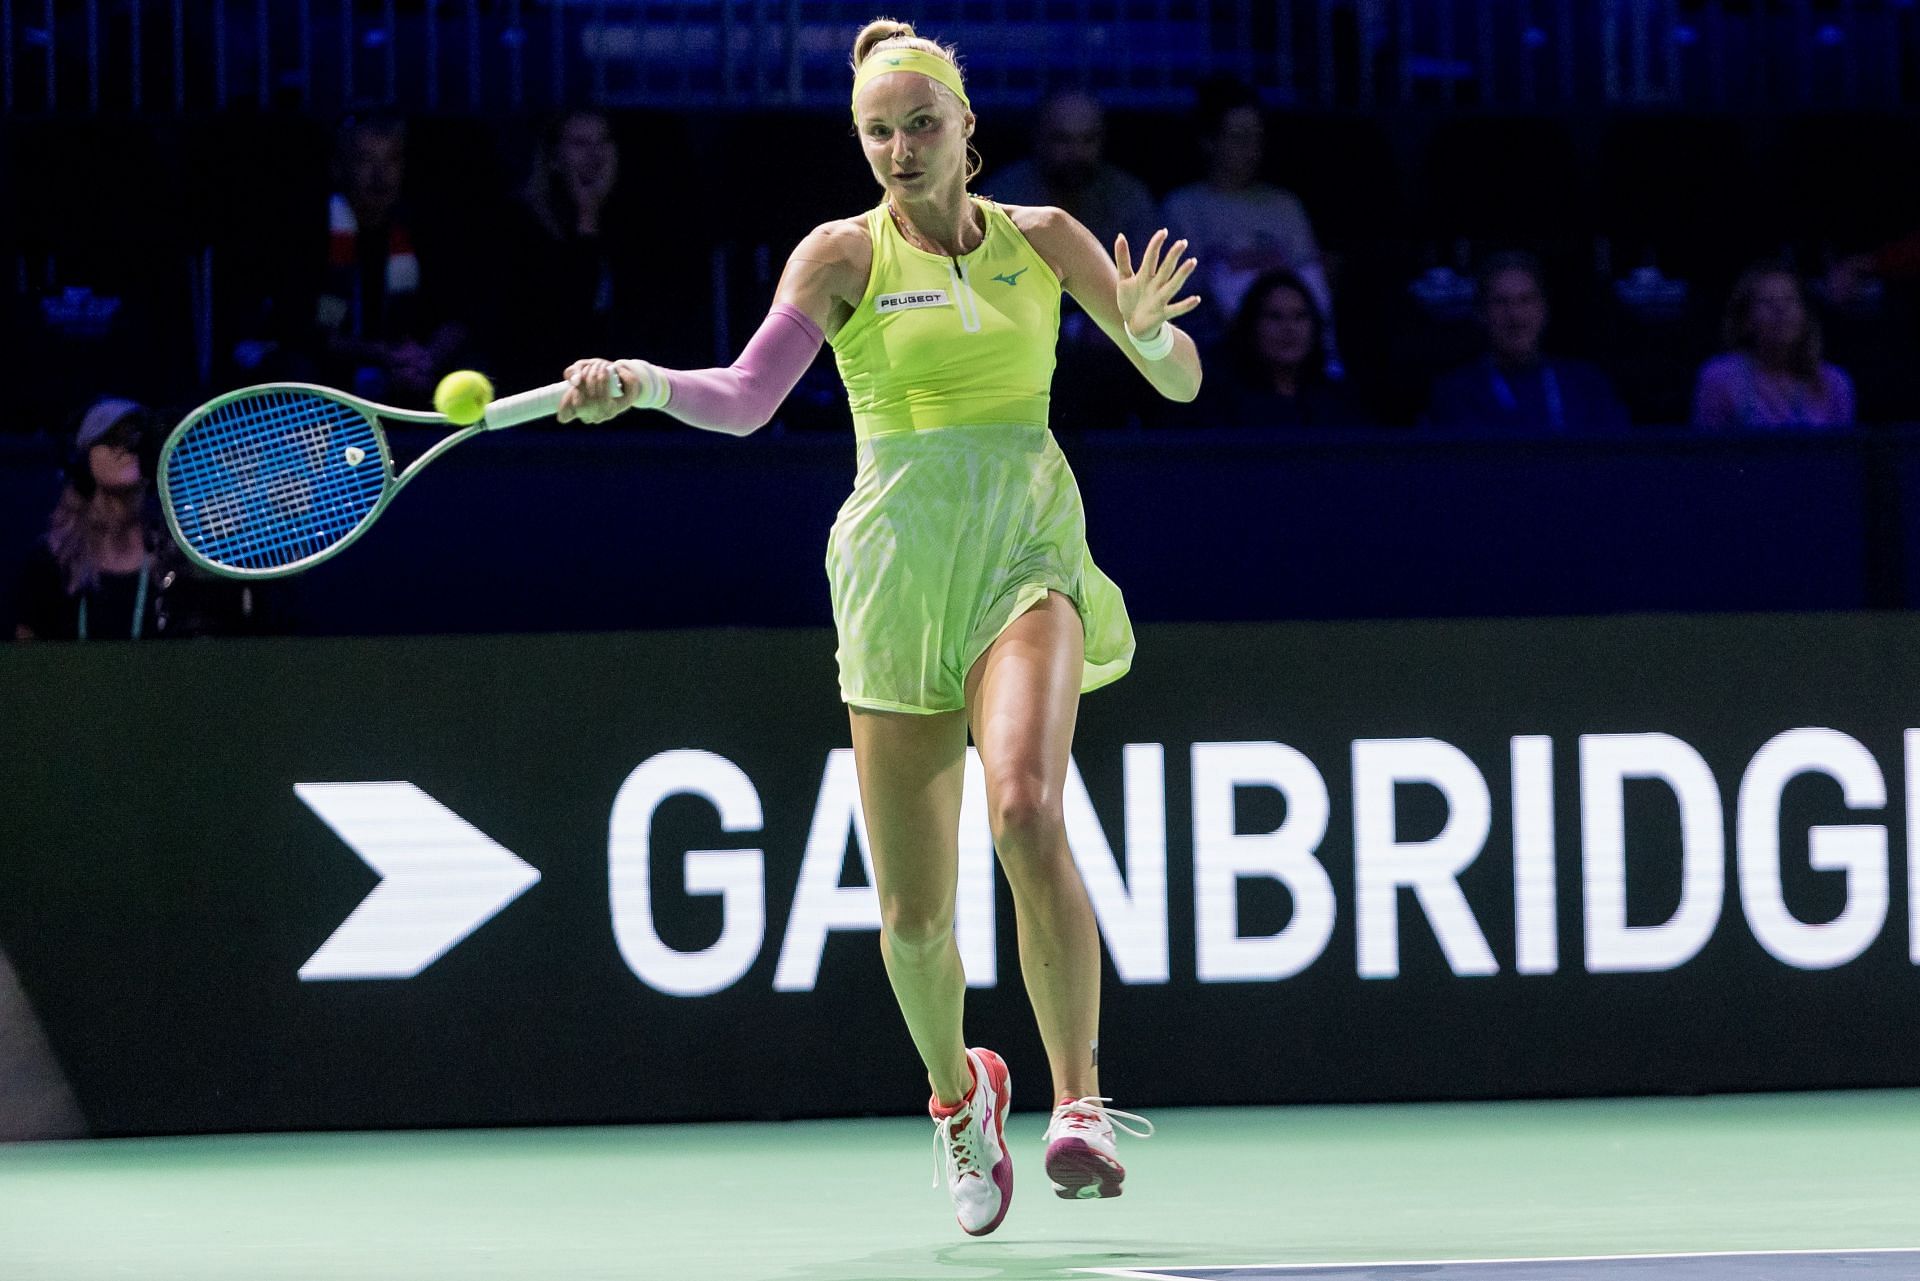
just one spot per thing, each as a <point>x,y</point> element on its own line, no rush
<point>973,1147</point>
<point>1080,1156</point>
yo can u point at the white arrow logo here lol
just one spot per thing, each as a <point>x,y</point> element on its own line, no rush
<point>441,879</point>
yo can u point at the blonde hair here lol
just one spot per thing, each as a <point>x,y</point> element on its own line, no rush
<point>895,34</point>
<point>891,33</point>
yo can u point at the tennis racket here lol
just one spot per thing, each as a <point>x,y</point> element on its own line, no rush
<point>270,480</point>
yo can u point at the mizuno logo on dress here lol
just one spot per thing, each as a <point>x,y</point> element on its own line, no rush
<point>908,301</point>
<point>1012,278</point>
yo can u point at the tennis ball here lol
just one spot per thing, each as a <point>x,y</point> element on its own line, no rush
<point>463,396</point>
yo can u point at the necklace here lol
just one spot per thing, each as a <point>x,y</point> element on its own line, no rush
<point>918,241</point>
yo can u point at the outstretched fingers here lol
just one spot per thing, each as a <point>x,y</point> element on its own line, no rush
<point>1147,292</point>
<point>1150,256</point>
<point>1174,279</point>
<point>1177,309</point>
<point>1170,264</point>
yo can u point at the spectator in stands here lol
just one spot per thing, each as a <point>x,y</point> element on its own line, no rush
<point>576,284</point>
<point>1516,388</point>
<point>1275,369</point>
<point>106,569</point>
<point>365,312</point>
<point>1067,169</point>
<point>1235,224</point>
<point>92,576</point>
<point>1896,260</point>
<point>1772,374</point>
<point>1092,383</point>
<point>378,316</point>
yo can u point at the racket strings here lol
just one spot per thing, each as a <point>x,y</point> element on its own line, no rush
<point>273,478</point>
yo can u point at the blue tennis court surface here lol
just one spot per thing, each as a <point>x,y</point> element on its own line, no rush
<point>1856,1265</point>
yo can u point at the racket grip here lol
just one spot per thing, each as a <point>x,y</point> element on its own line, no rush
<point>541,402</point>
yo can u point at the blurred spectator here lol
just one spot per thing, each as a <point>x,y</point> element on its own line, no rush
<point>1093,382</point>
<point>1067,169</point>
<point>106,569</point>
<point>374,310</point>
<point>1897,260</point>
<point>1871,321</point>
<point>1772,374</point>
<point>1274,367</point>
<point>1516,388</point>
<point>367,314</point>
<point>1237,225</point>
<point>580,277</point>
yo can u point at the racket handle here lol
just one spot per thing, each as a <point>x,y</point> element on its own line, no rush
<point>541,402</point>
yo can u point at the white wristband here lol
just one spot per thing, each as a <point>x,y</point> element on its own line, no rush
<point>653,385</point>
<point>1155,348</point>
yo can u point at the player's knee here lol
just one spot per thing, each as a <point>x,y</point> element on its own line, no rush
<point>1027,816</point>
<point>914,925</point>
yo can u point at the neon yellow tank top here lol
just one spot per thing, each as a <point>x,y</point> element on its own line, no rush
<point>950,342</point>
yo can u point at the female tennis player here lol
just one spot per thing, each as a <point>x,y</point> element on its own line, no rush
<point>963,593</point>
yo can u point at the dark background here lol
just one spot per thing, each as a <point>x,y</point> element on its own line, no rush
<point>545,529</point>
<point>186,220</point>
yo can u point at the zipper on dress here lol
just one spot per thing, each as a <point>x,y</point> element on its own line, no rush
<point>963,295</point>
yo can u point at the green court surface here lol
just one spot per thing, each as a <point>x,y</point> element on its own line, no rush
<point>849,1200</point>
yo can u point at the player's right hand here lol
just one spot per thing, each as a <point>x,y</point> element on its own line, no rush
<point>590,398</point>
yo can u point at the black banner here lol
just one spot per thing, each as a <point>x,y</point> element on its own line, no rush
<point>347,883</point>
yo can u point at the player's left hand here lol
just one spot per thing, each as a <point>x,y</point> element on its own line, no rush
<point>1146,297</point>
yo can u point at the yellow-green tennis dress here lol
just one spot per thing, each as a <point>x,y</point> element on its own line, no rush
<point>964,513</point>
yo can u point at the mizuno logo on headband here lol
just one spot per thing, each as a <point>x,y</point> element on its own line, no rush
<point>931,65</point>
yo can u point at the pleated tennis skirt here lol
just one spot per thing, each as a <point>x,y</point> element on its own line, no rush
<point>949,535</point>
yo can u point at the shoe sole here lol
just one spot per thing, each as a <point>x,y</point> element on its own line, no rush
<point>1000,1081</point>
<point>1081,1174</point>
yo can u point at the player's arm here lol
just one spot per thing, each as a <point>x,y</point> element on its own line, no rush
<point>1122,300</point>
<point>825,275</point>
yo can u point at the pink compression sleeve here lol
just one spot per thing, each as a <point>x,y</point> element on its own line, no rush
<point>742,397</point>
